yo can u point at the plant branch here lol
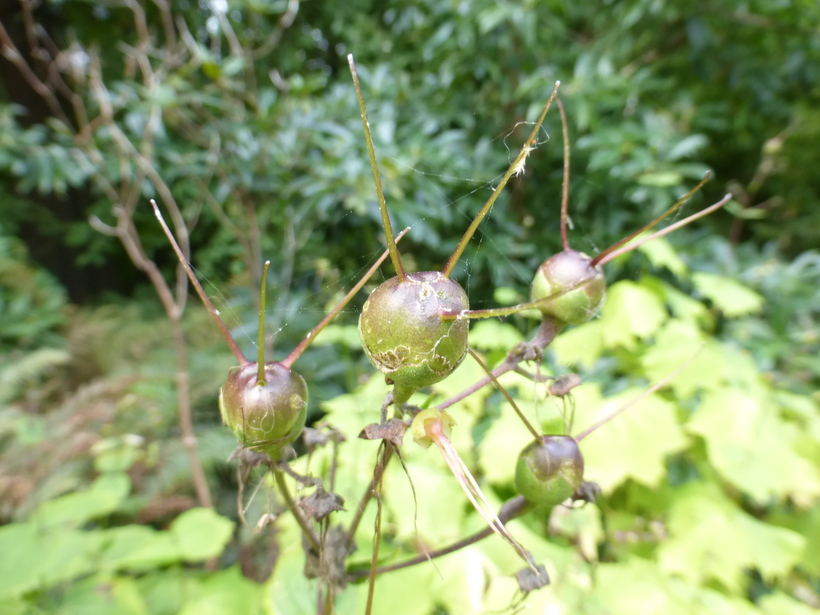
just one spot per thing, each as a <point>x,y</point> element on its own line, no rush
<point>515,309</point>
<point>514,168</point>
<point>523,352</point>
<point>294,509</point>
<point>371,151</point>
<point>377,532</point>
<point>368,494</point>
<point>511,509</point>
<point>13,55</point>
<point>638,398</point>
<point>223,329</point>
<point>186,423</point>
<point>505,393</point>
<point>565,181</point>
<point>130,241</point>
<point>603,254</point>
<point>661,233</point>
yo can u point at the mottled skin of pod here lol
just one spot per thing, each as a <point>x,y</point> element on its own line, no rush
<point>569,269</point>
<point>405,336</point>
<point>265,416</point>
<point>549,470</point>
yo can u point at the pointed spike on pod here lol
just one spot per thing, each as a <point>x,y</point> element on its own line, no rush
<point>220,324</point>
<point>260,342</point>
<point>371,152</point>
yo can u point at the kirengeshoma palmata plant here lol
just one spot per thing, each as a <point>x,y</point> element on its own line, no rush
<point>264,402</point>
<point>410,325</point>
<point>569,287</point>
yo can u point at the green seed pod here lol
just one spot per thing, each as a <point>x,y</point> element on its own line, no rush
<point>549,470</point>
<point>265,416</point>
<point>405,336</point>
<point>579,288</point>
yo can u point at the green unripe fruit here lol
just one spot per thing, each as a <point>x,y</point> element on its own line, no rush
<point>549,470</point>
<point>265,415</point>
<point>405,336</point>
<point>579,289</point>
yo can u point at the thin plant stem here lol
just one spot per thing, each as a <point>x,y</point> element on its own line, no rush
<point>294,509</point>
<point>604,253</point>
<point>130,240</point>
<point>515,309</point>
<point>368,494</point>
<point>223,329</point>
<point>186,423</point>
<point>302,346</point>
<point>515,166</point>
<point>543,338</point>
<point>505,393</point>
<point>662,232</point>
<point>565,182</point>
<point>371,151</point>
<point>328,606</point>
<point>498,371</point>
<point>260,342</point>
<point>511,509</point>
<point>334,464</point>
<point>663,381</point>
<point>377,533</point>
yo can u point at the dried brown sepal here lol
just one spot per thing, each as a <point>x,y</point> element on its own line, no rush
<point>587,492</point>
<point>248,457</point>
<point>313,437</point>
<point>392,431</point>
<point>529,579</point>
<point>329,564</point>
<point>321,503</point>
<point>563,384</point>
<point>264,521</point>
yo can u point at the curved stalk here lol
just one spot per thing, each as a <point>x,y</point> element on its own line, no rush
<point>514,168</point>
<point>371,151</point>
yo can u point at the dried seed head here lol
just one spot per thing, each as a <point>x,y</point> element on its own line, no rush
<point>265,415</point>
<point>549,470</point>
<point>578,288</point>
<point>405,336</point>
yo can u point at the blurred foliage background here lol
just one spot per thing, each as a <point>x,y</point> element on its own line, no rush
<point>239,117</point>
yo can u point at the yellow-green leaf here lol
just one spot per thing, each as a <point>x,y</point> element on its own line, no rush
<point>729,296</point>
<point>629,313</point>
